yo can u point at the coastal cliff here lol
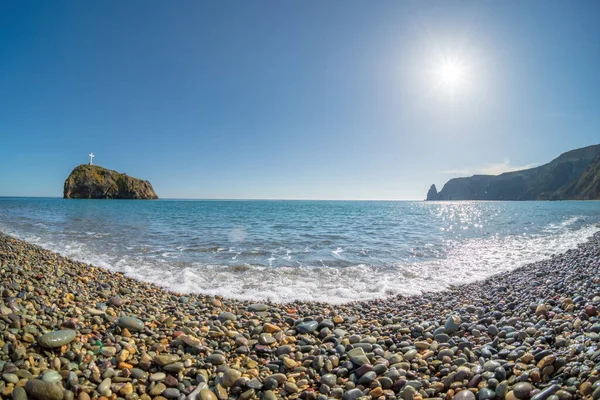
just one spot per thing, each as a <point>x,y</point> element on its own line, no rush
<point>573,175</point>
<point>587,187</point>
<point>94,182</point>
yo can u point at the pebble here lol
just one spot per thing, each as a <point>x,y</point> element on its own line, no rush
<point>57,338</point>
<point>41,390</point>
<point>529,333</point>
<point>206,394</point>
<point>258,307</point>
<point>216,359</point>
<point>104,387</point>
<point>158,376</point>
<point>19,393</point>
<point>307,327</point>
<point>132,324</point>
<point>522,390</point>
<point>230,377</point>
<point>464,395</point>
<point>51,376</point>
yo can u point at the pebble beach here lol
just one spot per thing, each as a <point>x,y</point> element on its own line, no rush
<point>70,330</point>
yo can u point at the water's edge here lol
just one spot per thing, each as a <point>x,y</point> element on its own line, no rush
<point>337,252</point>
<point>588,241</point>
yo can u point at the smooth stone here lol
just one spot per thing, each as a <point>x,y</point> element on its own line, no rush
<point>50,375</point>
<point>41,390</point>
<point>104,387</point>
<point>230,376</point>
<point>502,389</point>
<point>547,392</point>
<point>408,393</point>
<point>340,332</point>
<point>131,323</point>
<point>266,339</point>
<point>139,374</point>
<point>267,395</point>
<point>522,390</point>
<point>158,376</point>
<point>166,359</point>
<point>227,316</point>
<point>108,351</point>
<point>19,393</point>
<point>486,394</point>
<point>367,378</point>
<point>171,393</point>
<point>329,379</point>
<point>358,357</point>
<point>10,378</point>
<point>452,324</point>
<point>174,367</point>
<point>254,384</point>
<point>352,394</point>
<point>409,355</point>
<point>258,307</point>
<point>307,327</point>
<point>115,301</point>
<point>207,394</point>
<point>491,365</point>
<point>55,339</point>
<point>158,389</point>
<point>464,395</point>
<point>216,359</point>
<point>442,338</point>
<point>290,387</point>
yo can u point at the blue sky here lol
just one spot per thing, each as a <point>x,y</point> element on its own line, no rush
<point>277,99</point>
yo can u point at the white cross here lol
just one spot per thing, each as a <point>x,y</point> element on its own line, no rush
<point>91,158</point>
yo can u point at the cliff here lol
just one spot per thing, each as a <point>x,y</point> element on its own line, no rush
<point>587,187</point>
<point>94,182</point>
<point>572,175</point>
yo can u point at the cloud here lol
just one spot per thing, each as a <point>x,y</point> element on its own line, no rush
<point>490,169</point>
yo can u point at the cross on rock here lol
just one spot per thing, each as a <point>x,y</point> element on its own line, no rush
<point>91,158</point>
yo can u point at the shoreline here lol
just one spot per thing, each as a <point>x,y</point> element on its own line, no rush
<point>508,336</point>
<point>174,283</point>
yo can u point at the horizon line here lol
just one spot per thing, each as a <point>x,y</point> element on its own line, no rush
<point>218,199</point>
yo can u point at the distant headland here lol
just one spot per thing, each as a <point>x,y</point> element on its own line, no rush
<point>574,175</point>
<point>89,181</point>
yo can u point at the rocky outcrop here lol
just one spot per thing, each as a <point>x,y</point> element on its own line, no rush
<point>557,180</point>
<point>432,194</point>
<point>95,182</point>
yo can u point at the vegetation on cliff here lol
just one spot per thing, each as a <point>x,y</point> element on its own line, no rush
<point>95,182</point>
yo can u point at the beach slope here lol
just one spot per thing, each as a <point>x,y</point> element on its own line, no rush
<point>71,330</point>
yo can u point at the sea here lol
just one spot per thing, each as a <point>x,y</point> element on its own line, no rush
<point>283,251</point>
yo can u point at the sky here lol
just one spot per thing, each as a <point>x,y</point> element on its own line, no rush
<point>293,100</point>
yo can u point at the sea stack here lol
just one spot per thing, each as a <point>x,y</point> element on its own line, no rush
<point>94,182</point>
<point>432,194</point>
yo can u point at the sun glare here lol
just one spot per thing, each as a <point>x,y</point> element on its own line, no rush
<point>451,74</point>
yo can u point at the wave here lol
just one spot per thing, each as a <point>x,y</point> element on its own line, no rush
<point>335,281</point>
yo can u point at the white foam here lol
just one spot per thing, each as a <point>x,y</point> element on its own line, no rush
<point>336,253</point>
<point>465,261</point>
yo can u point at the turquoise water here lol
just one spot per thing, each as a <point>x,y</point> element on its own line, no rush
<point>333,251</point>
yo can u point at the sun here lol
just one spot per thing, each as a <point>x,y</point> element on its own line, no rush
<point>450,74</point>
